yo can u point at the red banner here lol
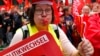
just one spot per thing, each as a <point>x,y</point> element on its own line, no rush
<point>8,4</point>
<point>41,44</point>
<point>27,4</point>
<point>77,6</point>
<point>20,1</point>
<point>57,18</point>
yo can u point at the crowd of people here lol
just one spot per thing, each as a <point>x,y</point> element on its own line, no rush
<point>10,21</point>
<point>89,16</point>
<point>39,17</point>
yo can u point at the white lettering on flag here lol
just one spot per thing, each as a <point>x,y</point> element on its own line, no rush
<point>29,46</point>
<point>76,3</point>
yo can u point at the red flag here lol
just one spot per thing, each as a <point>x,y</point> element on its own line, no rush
<point>80,25</point>
<point>19,1</point>
<point>93,32</point>
<point>27,4</point>
<point>85,21</point>
<point>8,4</point>
<point>5,1</point>
<point>66,2</point>
<point>57,19</point>
<point>98,1</point>
<point>88,1</point>
<point>40,44</point>
<point>77,6</point>
<point>77,21</point>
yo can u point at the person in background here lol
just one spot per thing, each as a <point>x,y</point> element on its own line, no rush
<point>7,28</point>
<point>92,32</point>
<point>16,17</point>
<point>1,29</point>
<point>25,16</point>
<point>2,35</point>
<point>71,32</point>
<point>66,22</point>
<point>85,10</point>
<point>95,8</point>
<point>84,17</point>
<point>62,24</point>
<point>41,16</point>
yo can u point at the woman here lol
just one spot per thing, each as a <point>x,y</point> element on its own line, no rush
<point>40,18</point>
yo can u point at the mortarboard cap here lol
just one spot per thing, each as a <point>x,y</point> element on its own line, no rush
<point>50,2</point>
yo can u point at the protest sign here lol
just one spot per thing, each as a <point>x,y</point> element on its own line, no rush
<point>40,44</point>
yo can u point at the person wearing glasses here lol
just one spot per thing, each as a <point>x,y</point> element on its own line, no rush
<point>41,16</point>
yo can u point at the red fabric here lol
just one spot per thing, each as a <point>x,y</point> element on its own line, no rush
<point>77,6</point>
<point>93,33</point>
<point>8,4</point>
<point>56,13</point>
<point>20,1</point>
<point>6,1</point>
<point>39,44</point>
<point>27,4</point>
<point>85,18</point>
<point>41,0</point>
<point>88,1</point>
<point>82,29</point>
<point>85,22</point>
<point>77,21</point>
<point>81,23</point>
<point>98,1</point>
<point>66,2</point>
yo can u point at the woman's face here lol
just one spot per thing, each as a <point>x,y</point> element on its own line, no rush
<point>42,15</point>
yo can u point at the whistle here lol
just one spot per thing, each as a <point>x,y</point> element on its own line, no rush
<point>45,21</point>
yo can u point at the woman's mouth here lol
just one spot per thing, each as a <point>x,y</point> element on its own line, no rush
<point>45,21</point>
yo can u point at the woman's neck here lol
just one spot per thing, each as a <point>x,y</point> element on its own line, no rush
<point>42,28</point>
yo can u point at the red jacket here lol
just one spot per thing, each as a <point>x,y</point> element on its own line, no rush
<point>92,33</point>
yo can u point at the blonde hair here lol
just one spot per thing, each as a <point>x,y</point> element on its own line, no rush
<point>85,7</point>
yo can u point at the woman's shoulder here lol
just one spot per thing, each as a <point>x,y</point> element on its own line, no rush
<point>54,26</point>
<point>21,29</point>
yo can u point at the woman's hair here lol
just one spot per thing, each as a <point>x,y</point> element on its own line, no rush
<point>32,11</point>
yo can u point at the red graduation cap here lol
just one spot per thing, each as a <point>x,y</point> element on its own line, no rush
<point>50,2</point>
<point>98,1</point>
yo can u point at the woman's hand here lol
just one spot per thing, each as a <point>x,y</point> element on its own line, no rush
<point>85,48</point>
